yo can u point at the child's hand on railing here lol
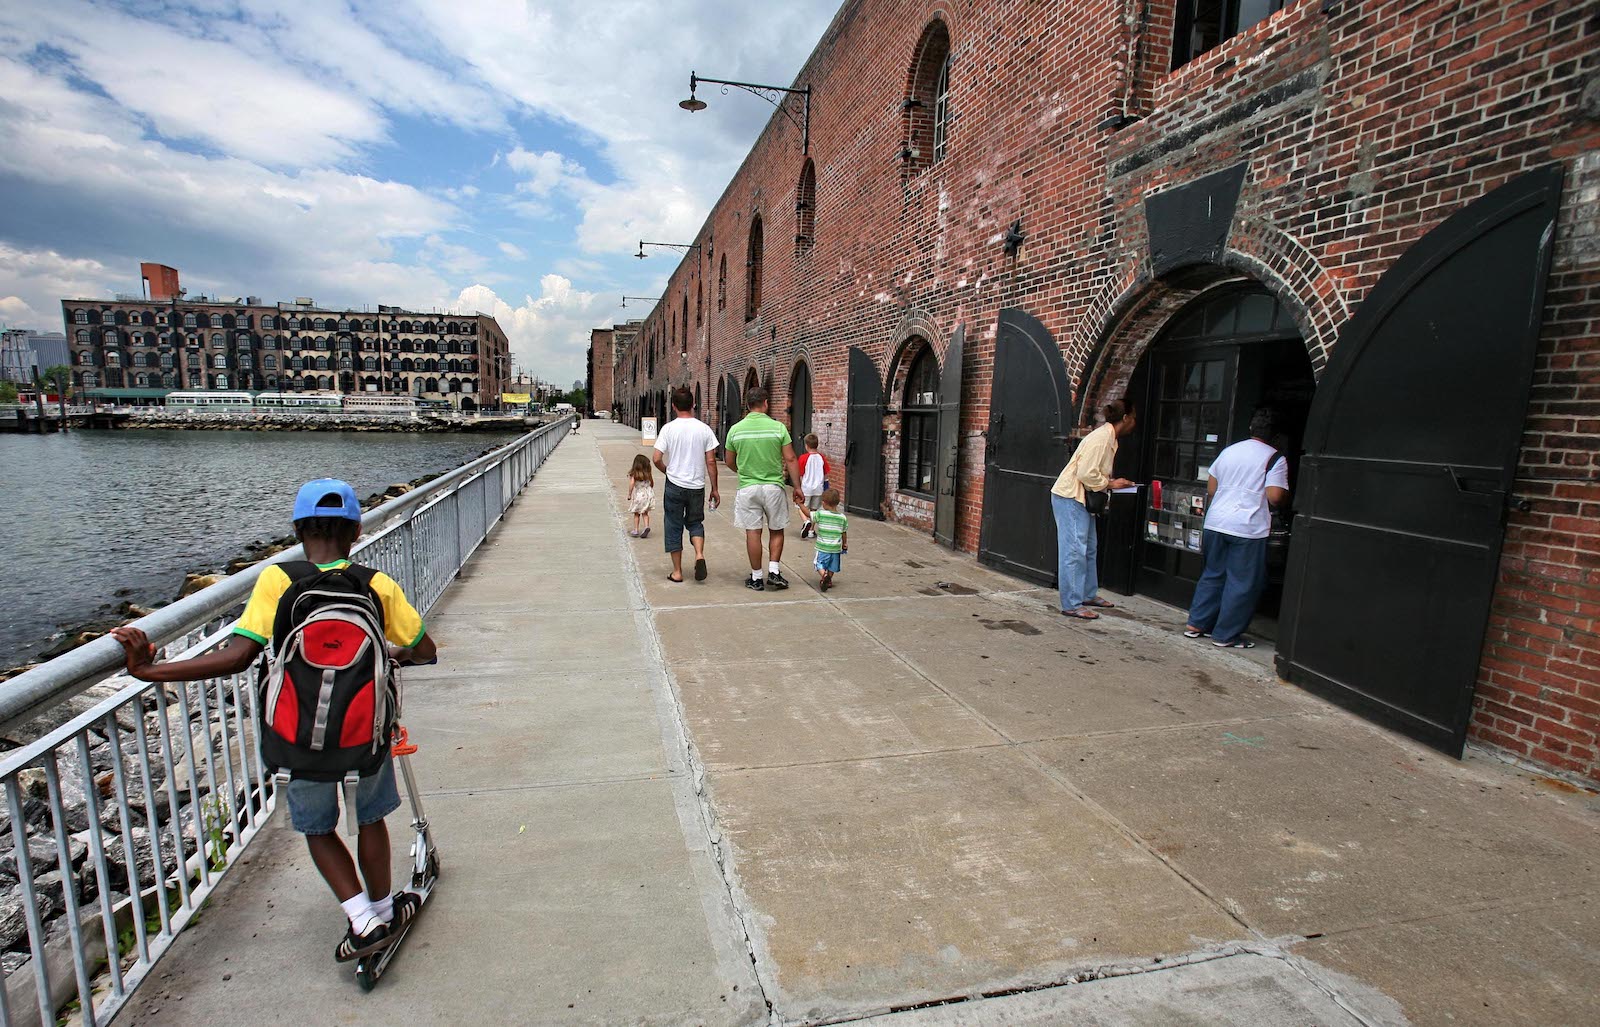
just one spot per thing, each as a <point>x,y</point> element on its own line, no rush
<point>140,651</point>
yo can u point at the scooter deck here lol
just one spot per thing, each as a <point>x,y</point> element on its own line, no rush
<point>424,877</point>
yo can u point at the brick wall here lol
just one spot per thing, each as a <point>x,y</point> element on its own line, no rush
<point>1361,130</point>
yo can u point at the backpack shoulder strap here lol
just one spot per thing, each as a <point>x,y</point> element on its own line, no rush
<point>299,570</point>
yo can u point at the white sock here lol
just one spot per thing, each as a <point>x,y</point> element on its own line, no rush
<point>773,568</point>
<point>359,909</point>
<point>384,908</point>
<point>755,575</point>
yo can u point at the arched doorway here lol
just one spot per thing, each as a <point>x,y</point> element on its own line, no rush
<point>800,405</point>
<point>1215,363</point>
<point>752,380</point>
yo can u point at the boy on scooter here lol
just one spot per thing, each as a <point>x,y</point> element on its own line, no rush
<point>327,520</point>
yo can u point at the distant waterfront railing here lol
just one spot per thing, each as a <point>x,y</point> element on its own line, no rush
<point>119,822</point>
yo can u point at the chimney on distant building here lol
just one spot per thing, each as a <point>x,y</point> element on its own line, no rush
<point>160,281</point>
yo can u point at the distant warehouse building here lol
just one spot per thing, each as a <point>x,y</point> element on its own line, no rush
<point>196,343</point>
<point>984,221</point>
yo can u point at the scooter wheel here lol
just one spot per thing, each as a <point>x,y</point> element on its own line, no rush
<point>366,975</point>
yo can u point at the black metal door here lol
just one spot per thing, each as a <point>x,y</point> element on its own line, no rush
<point>730,408</point>
<point>800,406</point>
<point>1411,452</point>
<point>947,472</point>
<point>1030,416</point>
<point>863,453</point>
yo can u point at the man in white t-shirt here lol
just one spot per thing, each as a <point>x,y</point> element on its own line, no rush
<point>686,452</point>
<point>1246,480</point>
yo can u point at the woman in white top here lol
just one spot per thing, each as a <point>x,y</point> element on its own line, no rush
<point>1246,479</point>
<point>1089,470</point>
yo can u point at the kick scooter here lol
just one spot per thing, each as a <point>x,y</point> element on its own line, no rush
<point>424,867</point>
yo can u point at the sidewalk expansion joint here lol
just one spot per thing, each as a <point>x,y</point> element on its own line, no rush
<point>719,849</point>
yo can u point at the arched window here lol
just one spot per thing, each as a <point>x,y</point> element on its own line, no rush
<point>141,381</point>
<point>433,385</point>
<point>82,336</point>
<point>369,364</point>
<point>269,362</point>
<point>919,424</point>
<point>139,360</point>
<point>685,321</point>
<point>110,338</point>
<point>216,320</point>
<point>167,361</point>
<point>927,106</point>
<point>805,208</point>
<point>113,358</point>
<point>216,338</point>
<point>321,364</point>
<point>222,381</point>
<point>188,321</point>
<point>317,324</point>
<point>219,360</point>
<point>752,276</point>
<point>268,321</point>
<point>722,283</point>
<point>344,364</point>
<point>80,317</point>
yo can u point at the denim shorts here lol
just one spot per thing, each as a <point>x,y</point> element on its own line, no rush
<point>828,561</point>
<point>314,805</point>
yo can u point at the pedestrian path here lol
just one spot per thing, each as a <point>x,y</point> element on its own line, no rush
<point>930,786</point>
<point>922,799</point>
<point>577,883</point>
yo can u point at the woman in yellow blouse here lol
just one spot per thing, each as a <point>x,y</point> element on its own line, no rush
<point>1089,470</point>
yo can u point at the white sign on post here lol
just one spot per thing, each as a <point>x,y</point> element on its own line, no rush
<point>647,426</point>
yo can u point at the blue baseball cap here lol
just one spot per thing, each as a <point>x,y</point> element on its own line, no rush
<point>313,500</point>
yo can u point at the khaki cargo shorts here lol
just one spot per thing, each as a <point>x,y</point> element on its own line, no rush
<point>761,506</point>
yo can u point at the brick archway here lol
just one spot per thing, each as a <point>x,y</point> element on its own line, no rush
<point>1130,312</point>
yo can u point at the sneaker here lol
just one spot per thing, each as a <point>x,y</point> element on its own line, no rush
<point>755,584</point>
<point>777,580</point>
<point>354,945</point>
<point>806,530</point>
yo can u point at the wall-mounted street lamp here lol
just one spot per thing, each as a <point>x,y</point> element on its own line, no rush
<point>642,299</point>
<point>684,246</point>
<point>778,96</point>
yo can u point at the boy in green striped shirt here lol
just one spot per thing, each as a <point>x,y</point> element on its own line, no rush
<point>833,537</point>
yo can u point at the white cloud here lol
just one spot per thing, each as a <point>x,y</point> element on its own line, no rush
<point>238,140</point>
<point>549,334</point>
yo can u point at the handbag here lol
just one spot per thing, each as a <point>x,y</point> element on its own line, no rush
<point>1278,534</point>
<point>1097,502</point>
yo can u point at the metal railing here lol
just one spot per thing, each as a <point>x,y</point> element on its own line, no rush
<point>119,822</point>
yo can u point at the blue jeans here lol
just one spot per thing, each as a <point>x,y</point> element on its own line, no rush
<point>1076,542</point>
<point>1225,596</point>
<point>684,508</point>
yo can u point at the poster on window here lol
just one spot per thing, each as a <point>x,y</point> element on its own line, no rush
<point>647,426</point>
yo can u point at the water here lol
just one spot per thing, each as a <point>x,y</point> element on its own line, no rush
<point>91,518</point>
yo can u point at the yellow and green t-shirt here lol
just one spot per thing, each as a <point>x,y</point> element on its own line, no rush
<point>402,624</point>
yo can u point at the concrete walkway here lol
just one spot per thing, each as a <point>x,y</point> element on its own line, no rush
<point>932,787</point>
<point>923,799</point>
<point>577,884</point>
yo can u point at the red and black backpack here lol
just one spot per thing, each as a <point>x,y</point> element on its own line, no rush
<point>331,693</point>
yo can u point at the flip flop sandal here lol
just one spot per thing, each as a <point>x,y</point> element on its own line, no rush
<point>1195,634</point>
<point>1238,643</point>
<point>354,945</point>
<point>699,570</point>
<point>675,581</point>
<point>1100,604</point>
<point>1080,614</point>
<point>645,533</point>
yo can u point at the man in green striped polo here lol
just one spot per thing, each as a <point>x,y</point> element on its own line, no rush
<point>759,449</point>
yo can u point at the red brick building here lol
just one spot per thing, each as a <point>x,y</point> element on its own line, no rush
<point>1377,216</point>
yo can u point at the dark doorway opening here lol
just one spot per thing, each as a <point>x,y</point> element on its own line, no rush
<point>1223,357</point>
<point>800,406</point>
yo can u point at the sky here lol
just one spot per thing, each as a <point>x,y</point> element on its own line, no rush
<point>504,156</point>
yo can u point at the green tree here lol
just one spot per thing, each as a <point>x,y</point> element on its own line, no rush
<point>8,392</point>
<point>577,398</point>
<point>58,378</point>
